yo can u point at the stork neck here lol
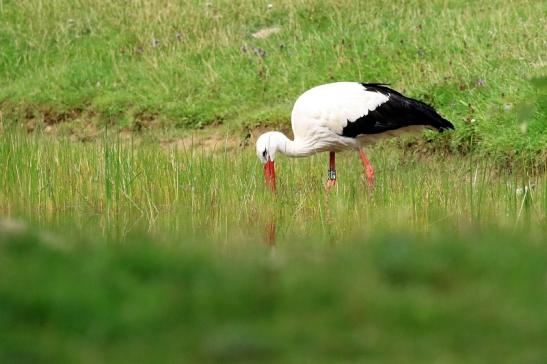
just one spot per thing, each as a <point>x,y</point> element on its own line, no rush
<point>293,148</point>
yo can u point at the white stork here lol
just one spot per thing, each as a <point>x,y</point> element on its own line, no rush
<point>345,116</point>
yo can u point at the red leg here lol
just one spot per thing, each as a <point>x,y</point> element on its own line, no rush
<point>369,171</point>
<point>331,176</point>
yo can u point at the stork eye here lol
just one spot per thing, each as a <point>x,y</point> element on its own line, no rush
<point>264,153</point>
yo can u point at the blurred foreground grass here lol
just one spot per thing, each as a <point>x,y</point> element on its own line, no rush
<point>390,297</point>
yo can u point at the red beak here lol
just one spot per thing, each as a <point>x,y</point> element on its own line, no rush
<point>269,174</point>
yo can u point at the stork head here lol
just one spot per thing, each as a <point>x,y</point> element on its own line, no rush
<point>267,145</point>
<point>266,149</point>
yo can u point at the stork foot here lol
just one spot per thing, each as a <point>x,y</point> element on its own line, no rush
<point>370,175</point>
<point>367,168</point>
<point>368,180</point>
<point>330,184</point>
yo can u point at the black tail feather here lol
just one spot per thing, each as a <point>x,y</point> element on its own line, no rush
<point>397,112</point>
<point>425,113</point>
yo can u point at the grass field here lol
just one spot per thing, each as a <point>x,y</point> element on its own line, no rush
<point>189,64</point>
<point>117,244</point>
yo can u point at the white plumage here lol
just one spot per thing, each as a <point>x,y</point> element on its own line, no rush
<point>333,106</point>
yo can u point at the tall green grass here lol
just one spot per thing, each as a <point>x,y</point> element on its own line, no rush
<point>193,63</point>
<point>125,185</point>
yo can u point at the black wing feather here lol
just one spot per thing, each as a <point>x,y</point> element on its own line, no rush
<point>398,112</point>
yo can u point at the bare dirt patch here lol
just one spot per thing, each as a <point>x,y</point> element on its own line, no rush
<point>210,142</point>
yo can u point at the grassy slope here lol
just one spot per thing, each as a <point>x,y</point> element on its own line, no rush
<point>195,63</point>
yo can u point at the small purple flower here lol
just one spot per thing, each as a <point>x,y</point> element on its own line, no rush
<point>481,82</point>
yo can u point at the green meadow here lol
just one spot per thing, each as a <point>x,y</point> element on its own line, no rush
<point>134,221</point>
<point>166,64</point>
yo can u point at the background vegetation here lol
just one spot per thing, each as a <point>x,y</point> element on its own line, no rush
<point>195,63</point>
